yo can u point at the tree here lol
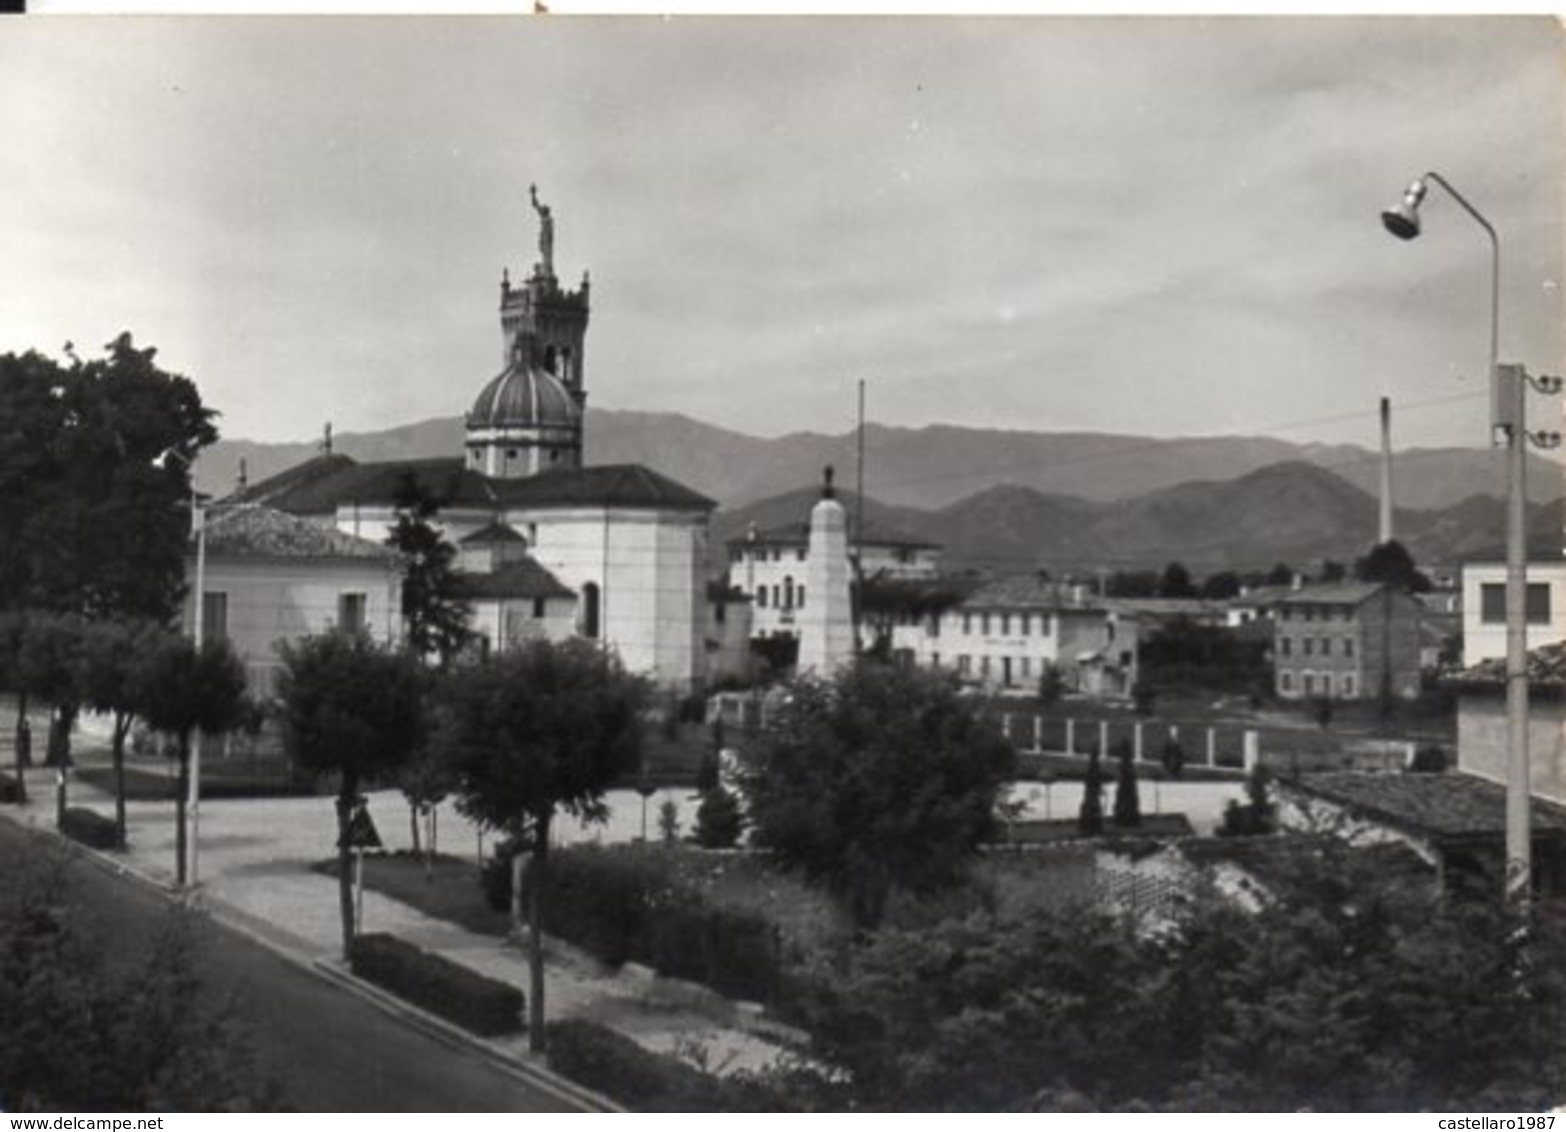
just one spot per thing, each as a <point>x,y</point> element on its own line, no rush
<point>354,708</point>
<point>1128,805</point>
<point>1221,586</point>
<point>884,777</point>
<point>542,728</point>
<point>112,655</point>
<point>1333,571</point>
<point>51,665</point>
<point>435,610</point>
<point>1132,583</point>
<point>1090,817</point>
<point>425,783</point>
<point>104,532</point>
<point>1390,563</point>
<point>182,688</point>
<point>1176,582</point>
<point>1281,574</point>
<point>885,601</point>
<point>719,821</point>
<point>1052,685</point>
<point>100,1022</point>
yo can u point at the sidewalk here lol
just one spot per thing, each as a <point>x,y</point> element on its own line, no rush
<point>254,871</point>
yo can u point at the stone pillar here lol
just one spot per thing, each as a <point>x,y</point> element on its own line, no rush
<point>1252,750</point>
<point>1212,747</point>
<point>826,626</point>
<point>1136,742</point>
<point>1071,736</point>
<point>1038,734</point>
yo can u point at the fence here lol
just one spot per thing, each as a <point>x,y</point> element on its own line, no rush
<point>1201,744</point>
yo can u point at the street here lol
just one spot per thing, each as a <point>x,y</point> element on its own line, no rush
<point>330,1050</point>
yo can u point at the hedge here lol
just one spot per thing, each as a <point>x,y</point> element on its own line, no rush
<point>610,1063</point>
<point>624,906</point>
<point>91,828</point>
<point>10,789</point>
<point>477,1003</point>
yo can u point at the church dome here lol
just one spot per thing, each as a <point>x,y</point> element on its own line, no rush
<point>525,397</point>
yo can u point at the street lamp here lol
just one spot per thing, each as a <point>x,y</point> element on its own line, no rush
<point>198,527</point>
<point>1507,384</point>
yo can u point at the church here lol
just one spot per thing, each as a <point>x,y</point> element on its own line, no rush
<point>552,547</point>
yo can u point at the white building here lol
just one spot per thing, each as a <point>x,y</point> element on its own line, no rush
<point>1009,632</point>
<point>1484,607</point>
<point>769,567</point>
<point>625,543</point>
<point>271,577</point>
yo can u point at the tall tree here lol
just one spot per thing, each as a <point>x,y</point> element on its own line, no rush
<point>1090,816</point>
<point>182,688</point>
<point>1391,564</point>
<point>1128,803</point>
<point>532,731</point>
<point>355,708</point>
<point>1176,581</point>
<point>883,778</point>
<point>113,653</point>
<point>435,612</point>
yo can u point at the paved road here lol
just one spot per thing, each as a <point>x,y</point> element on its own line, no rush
<point>331,1050</point>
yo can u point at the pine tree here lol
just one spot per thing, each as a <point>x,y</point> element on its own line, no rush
<point>1128,805</point>
<point>1090,820</point>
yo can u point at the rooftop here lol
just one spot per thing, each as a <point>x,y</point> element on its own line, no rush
<point>321,485</point>
<point>262,532</point>
<point>1444,807</point>
<point>872,534</point>
<point>524,578</point>
<point>1546,671</point>
<point>1028,591</point>
<point>1332,593</point>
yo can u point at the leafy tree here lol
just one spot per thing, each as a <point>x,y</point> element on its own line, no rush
<point>1144,694</point>
<point>425,783</point>
<point>1176,582</point>
<point>1281,574</point>
<point>112,655</point>
<point>1257,814</point>
<point>354,708</point>
<point>884,777</point>
<point>885,601</point>
<point>1132,583</point>
<point>1128,805</point>
<point>1185,654</point>
<point>1221,586</point>
<point>1391,564</point>
<point>106,1027</point>
<point>51,666</point>
<point>1052,685</point>
<point>669,821</point>
<point>1090,816</point>
<point>529,732</point>
<point>719,821</point>
<point>1333,571</point>
<point>182,688</point>
<point>434,607</point>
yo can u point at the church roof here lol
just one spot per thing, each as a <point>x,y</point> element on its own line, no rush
<point>490,534</point>
<point>523,578</point>
<point>262,532</point>
<point>322,485</point>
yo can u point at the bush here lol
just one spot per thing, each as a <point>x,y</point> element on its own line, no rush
<point>611,1063</point>
<point>10,789</point>
<point>473,1001</point>
<point>1429,760</point>
<point>719,822</point>
<point>623,906</point>
<point>90,828</point>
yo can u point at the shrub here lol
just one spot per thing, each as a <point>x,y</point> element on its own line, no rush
<point>10,789</point>
<point>1429,760</point>
<point>623,906</point>
<point>90,828</point>
<point>719,822</point>
<point>611,1063</point>
<point>473,1001</point>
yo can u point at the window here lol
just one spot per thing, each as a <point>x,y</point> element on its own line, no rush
<point>1285,646</point>
<point>777,556</point>
<point>1492,603</point>
<point>538,609</point>
<point>984,624</point>
<point>799,597</point>
<point>967,624</point>
<point>1025,626</point>
<point>1005,624</point>
<point>761,597</point>
<point>1285,682</point>
<point>350,613</point>
<point>1307,647</point>
<point>1346,683</point>
<point>1310,683</point>
<point>590,626</point>
<point>214,616</point>
<point>984,666</point>
<point>1348,646</point>
<point>1025,665</point>
<point>777,596</point>
<point>935,660</point>
<point>788,591</point>
<point>965,664</point>
<point>800,554</point>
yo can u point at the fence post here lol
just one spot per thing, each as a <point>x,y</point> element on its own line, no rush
<point>1252,750</point>
<point>1071,736</point>
<point>1212,747</point>
<point>1136,741</point>
<point>1038,734</point>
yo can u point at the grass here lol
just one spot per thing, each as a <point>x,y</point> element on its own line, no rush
<point>218,780</point>
<point>448,891</point>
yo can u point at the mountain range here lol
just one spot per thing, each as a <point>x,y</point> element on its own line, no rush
<point>1002,499</point>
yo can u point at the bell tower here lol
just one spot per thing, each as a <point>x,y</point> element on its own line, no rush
<point>544,326</point>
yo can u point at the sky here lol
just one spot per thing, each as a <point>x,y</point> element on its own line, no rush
<point>1156,226</point>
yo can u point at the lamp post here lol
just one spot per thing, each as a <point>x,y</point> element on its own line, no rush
<point>1402,221</point>
<point>198,528</point>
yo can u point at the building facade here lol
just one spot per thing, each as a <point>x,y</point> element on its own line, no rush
<point>1484,607</point>
<point>1346,641</point>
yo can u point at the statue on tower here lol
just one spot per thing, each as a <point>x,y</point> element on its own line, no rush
<point>546,231</point>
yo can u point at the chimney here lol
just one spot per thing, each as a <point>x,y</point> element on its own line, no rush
<point>1385,533</point>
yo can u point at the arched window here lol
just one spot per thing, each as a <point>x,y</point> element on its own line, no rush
<point>788,591</point>
<point>590,625</point>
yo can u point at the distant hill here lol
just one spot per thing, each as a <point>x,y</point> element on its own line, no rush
<point>927,468</point>
<point>1018,500</point>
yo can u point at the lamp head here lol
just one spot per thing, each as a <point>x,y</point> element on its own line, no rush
<point>167,456</point>
<point>1402,220</point>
